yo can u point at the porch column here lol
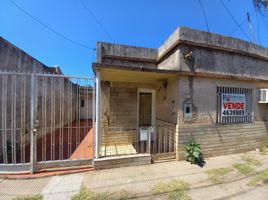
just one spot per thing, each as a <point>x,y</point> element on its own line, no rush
<point>98,113</point>
<point>177,142</point>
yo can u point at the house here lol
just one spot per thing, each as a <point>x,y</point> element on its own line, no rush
<point>195,85</point>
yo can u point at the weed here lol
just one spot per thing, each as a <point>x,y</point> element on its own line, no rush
<point>193,153</point>
<point>85,194</point>
<point>251,160</point>
<point>264,147</point>
<point>216,176</point>
<point>244,168</point>
<point>259,178</point>
<point>176,189</point>
<point>34,197</point>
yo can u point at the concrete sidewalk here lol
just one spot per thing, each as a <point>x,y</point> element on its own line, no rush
<point>138,181</point>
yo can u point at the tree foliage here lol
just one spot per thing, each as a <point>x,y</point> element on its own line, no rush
<point>261,5</point>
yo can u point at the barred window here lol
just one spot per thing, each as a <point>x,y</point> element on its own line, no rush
<point>234,105</point>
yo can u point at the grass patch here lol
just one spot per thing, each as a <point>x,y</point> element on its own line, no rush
<point>216,176</point>
<point>251,160</point>
<point>85,194</point>
<point>259,178</point>
<point>33,197</point>
<point>176,189</point>
<point>244,168</point>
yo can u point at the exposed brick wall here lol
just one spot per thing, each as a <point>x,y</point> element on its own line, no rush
<point>120,126</point>
<point>123,107</point>
<point>218,140</point>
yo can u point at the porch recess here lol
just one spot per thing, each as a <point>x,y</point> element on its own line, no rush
<point>121,131</point>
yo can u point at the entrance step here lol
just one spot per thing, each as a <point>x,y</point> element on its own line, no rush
<point>122,161</point>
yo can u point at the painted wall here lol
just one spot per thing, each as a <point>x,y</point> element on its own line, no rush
<point>202,93</point>
<point>217,139</point>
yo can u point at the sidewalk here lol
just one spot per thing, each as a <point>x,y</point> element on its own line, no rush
<point>138,181</point>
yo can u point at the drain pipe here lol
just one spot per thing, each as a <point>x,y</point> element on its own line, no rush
<point>98,111</point>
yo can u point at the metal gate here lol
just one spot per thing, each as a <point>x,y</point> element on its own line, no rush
<point>159,141</point>
<point>45,121</point>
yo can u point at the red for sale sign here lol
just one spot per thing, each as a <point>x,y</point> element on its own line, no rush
<point>233,104</point>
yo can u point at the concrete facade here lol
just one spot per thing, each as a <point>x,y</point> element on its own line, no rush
<point>187,68</point>
<point>14,59</point>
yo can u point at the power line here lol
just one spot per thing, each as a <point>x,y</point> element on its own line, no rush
<point>204,14</point>
<point>242,23</point>
<point>233,18</point>
<point>49,28</point>
<point>96,20</point>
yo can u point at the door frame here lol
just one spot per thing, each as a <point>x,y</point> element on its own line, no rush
<point>153,104</point>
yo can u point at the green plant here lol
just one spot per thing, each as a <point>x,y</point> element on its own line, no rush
<point>193,152</point>
<point>34,197</point>
<point>85,194</point>
<point>244,168</point>
<point>176,189</point>
<point>259,178</point>
<point>216,176</point>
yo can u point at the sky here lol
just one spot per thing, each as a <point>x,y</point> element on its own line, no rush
<point>67,30</point>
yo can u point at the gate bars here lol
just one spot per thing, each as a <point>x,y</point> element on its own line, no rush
<point>47,120</point>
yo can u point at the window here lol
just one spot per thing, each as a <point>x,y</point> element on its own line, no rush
<point>82,103</point>
<point>234,105</point>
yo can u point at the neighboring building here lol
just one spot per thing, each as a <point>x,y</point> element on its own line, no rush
<point>26,84</point>
<point>86,102</point>
<point>195,85</point>
<point>14,59</point>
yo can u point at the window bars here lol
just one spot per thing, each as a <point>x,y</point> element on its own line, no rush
<point>239,109</point>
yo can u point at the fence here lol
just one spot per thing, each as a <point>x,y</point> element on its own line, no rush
<point>46,120</point>
<point>159,141</point>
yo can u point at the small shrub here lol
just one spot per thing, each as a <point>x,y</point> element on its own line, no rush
<point>244,168</point>
<point>34,197</point>
<point>216,176</point>
<point>176,189</point>
<point>193,152</point>
<point>259,178</point>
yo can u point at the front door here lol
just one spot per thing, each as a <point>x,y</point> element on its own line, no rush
<point>145,109</point>
<point>146,119</point>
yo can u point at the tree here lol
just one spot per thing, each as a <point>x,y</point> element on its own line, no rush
<point>260,5</point>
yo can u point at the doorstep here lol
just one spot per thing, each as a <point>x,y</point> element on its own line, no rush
<point>122,161</point>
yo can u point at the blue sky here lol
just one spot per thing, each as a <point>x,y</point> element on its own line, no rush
<point>134,22</point>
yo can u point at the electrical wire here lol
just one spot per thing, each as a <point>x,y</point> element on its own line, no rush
<point>204,14</point>
<point>242,23</point>
<point>233,18</point>
<point>96,20</point>
<point>48,27</point>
